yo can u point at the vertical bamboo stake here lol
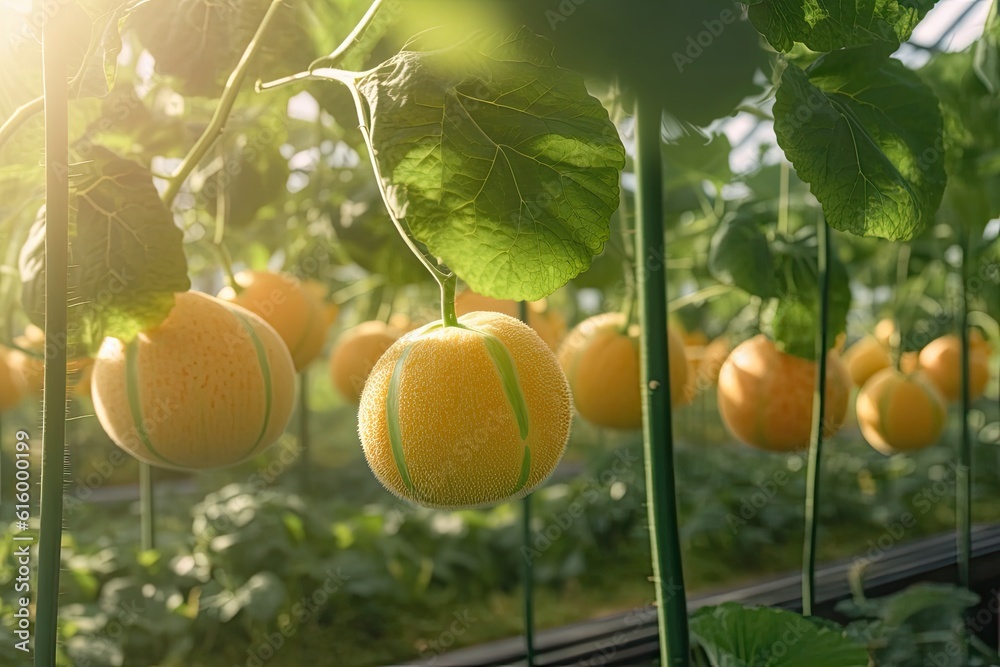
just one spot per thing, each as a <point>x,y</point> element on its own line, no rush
<point>658,444</point>
<point>528,570</point>
<point>54,68</point>
<point>816,440</point>
<point>963,477</point>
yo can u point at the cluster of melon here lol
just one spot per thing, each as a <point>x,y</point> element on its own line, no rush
<point>214,383</point>
<point>906,409</point>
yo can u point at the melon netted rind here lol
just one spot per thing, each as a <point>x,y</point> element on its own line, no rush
<point>205,391</point>
<point>460,438</point>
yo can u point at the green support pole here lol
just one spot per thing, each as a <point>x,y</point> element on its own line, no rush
<point>963,476</point>
<point>147,523</point>
<point>658,444</point>
<point>819,414</point>
<point>54,39</point>
<point>528,571</point>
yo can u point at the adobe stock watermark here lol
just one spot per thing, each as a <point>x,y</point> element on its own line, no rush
<point>923,501</point>
<point>163,409</point>
<point>108,641</point>
<point>557,526</point>
<point>301,612</point>
<point>697,44</point>
<point>429,651</point>
<point>954,648</point>
<point>562,12</point>
<point>751,504</point>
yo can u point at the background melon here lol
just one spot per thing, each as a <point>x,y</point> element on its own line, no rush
<point>766,396</point>
<point>602,366</point>
<point>548,323</point>
<point>293,310</point>
<point>901,412</point>
<point>354,356</point>
<point>941,360</point>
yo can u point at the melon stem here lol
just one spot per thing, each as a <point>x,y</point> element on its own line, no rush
<point>448,316</point>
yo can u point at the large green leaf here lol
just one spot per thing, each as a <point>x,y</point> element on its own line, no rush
<point>126,253</point>
<point>691,159</point>
<point>828,25</point>
<point>200,41</point>
<point>736,636</point>
<point>740,255</point>
<point>962,82</point>
<point>497,159</point>
<point>699,57</point>
<point>866,134</point>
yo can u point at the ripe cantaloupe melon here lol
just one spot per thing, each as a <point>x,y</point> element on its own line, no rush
<point>766,396</point>
<point>901,413</point>
<point>704,364</point>
<point>30,369</point>
<point>602,365</point>
<point>941,361</point>
<point>292,310</point>
<point>865,358</point>
<point>11,387</point>
<point>549,324</point>
<point>355,354</point>
<point>440,426</point>
<point>211,386</point>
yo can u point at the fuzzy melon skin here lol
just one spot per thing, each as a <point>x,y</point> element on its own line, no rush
<point>201,387</point>
<point>901,412</point>
<point>765,395</point>
<point>548,324</point>
<point>292,309</point>
<point>602,365</point>
<point>460,437</point>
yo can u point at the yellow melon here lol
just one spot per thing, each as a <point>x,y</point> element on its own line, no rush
<point>211,386</point>
<point>901,412</point>
<point>30,368</point>
<point>460,440</point>
<point>602,365</point>
<point>766,396</point>
<point>291,309</point>
<point>354,356</point>
<point>941,361</point>
<point>549,324</point>
<point>704,364</point>
<point>321,293</point>
<point>11,387</point>
<point>865,358</point>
